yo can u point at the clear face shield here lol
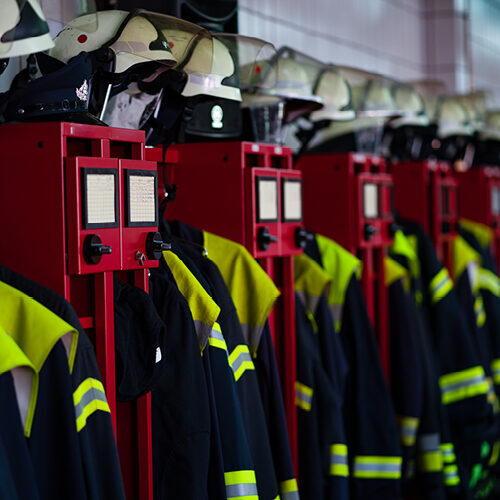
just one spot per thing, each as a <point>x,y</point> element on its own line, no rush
<point>154,65</point>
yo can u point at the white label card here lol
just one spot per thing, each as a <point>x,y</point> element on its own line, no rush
<point>142,198</point>
<point>292,193</point>
<point>101,198</point>
<point>370,200</point>
<point>268,199</point>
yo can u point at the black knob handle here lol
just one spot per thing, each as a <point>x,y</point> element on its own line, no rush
<point>370,231</point>
<point>155,246</point>
<point>302,237</point>
<point>93,249</point>
<point>265,238</point>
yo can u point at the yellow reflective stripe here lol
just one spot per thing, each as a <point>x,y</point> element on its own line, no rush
<point>408,427</point>
<point>377,467</point>
<point>241,485</point>
<point>495,368</point>
<point>463,384</point>
<point>303,396</point>
<point>241,361</point>
<point>288,486</point>
<point>440,286</point>
<point>216,338</point>
<point>489,281</point>
<point>338,460</point>
<point>430,461</point>
<point>479,311</point>
<point>451,477</point>
<point>448,453</point>
<point>88,398</point>
<point>494,454</point>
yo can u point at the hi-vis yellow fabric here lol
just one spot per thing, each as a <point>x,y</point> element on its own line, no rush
<point>340,265</point>
<point>394,271</point>
<point>35,330</point>
<point>12,356</point>
<point>251,289</point>
<point>483,233</point>
<point>463,254</point>
<point>406,246</point>
<point>203,308</point>
<point>241,485</point>
<point>310,281</point>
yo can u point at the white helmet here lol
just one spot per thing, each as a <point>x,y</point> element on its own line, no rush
<point>411,105</point>
<point>23,29</point>
<point>132,38</point>
<point>335,91</point>
<point>491,126</point>
<point>211,71</point>
<point>452,118</point>
<point>475,104</point>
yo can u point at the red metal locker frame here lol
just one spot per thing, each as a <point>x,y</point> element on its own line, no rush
<point>479,187</point>
<point>217,192</point>
<point>427,192</point>
<point>41,161</point>
<point>333,193</point>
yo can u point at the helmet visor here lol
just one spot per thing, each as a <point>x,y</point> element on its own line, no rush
<point>63,11</point>
<point>371,93</point>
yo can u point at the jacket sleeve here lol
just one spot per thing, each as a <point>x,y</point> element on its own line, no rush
<point>274,410</point>
<point>374,451</point>
<point>97,440</point>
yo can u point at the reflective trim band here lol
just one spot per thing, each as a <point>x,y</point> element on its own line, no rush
<point>303,396</point>
<point>451,477</point>
<point>216,338</point>
<point>374,467</point>
<point>241,485</point>
<point>338,460</point>
<point>430,461</point>
<point>408,427</point>
<point>494,454</point>
<point>448,453</point>
<point>440,286</point>
<point>463,384</point>
<point>479,311</point>
<point>489,281</point>
<point>240,361</point>
<point>88,398</point>
<point>495,368</point>
<point>429,442</point>
<point>289,490</point>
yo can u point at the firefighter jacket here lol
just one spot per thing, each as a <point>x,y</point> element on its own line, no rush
<point>253,295</point>
<point>323,463</point>
<point>181,415</point>
<point>257,377</point>
<point>406,371</point>
<point>372,438</point>
<point>95,449</point>
<point>462,380</point>
<point>431,469</point>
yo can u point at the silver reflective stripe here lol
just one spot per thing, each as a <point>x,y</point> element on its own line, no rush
<point>215,334</point>
<point>377,467</point>
<point>252,335</point>
<point>306,398</point>
<point>291,495</point>
<point>478,379</point>
<point>242,357</point>
<point>409,432</point>
<point>91,395</point>
<point>336,459</point>
<point>440,284</point>
<point>203,332</point>
<point>429,442</point>
<point>241,490</point>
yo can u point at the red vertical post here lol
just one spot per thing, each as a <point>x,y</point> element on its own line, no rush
<point>105,336</point>
<point>382,308</point>
<point>144,420</point>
